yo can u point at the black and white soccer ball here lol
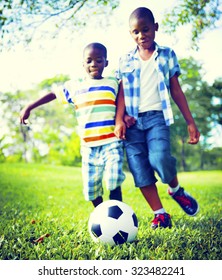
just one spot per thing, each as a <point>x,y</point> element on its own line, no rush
<point>113,222</point>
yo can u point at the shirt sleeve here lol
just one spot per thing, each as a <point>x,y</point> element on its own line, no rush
<point>64,93</point>
<point>174,67</point>
<point>122,63</point>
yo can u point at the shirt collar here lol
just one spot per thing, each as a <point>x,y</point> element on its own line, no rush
<point>133,52</point>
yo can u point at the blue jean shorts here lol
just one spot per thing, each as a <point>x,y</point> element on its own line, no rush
<point>102,164</point>
<point>148,149</point>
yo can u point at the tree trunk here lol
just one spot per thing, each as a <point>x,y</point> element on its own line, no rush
<point>183,160</point>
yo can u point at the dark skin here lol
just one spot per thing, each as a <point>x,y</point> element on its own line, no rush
<point>94,62</point>
<point>143,32</point>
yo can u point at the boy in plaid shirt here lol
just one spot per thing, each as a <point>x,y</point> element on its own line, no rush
<point>144,115</point>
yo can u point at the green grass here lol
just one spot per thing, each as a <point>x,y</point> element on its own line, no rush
<point>42,199</point>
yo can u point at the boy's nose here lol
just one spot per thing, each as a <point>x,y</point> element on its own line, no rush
<point>93,63</point>
<point>141,35</point>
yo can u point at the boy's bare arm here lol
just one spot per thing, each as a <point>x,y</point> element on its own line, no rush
<point>25,113</point>
<point>181,101</point>
<point>120,127</point>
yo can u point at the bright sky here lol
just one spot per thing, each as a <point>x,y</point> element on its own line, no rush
<point>21,69</point>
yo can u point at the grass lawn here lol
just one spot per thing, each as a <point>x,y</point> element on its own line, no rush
<point>47,201</point>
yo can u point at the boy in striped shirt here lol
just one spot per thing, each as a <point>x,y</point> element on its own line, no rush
<point>94,101</point>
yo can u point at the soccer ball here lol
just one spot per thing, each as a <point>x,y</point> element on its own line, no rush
<point>113,222</point>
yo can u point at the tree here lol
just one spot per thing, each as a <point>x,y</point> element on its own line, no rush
<point>216,93</point>
<point>54,130</point>
<point>52,137</point>
<point>51,130</point>
<point>11,134</point>
<point>200,106</point>
<point>20,19</point>
<point>201,14</point>
<point>211,159</point>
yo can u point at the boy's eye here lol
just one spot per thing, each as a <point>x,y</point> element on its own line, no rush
<point>135,32</point>
<point>145,30</point>
<point>98,60</point>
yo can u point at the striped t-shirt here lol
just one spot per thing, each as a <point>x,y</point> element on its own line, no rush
<point>94,103</point>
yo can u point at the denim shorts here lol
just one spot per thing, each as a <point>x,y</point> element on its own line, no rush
<point>102,164</point>
<point>148,150</point>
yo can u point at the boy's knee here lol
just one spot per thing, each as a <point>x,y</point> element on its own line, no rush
<point>158,160</point>
<point>164,165</point>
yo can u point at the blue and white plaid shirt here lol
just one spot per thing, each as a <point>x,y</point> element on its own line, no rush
<point>129,72</point>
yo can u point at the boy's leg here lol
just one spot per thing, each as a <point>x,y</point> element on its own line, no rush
<point>92,172</point>
<point>97,201</point>
<point>151,195</point>
<point>158,141</point>
<point>137,157</point>
<point>116,194</point>
<point>164,163</point>
<point>161,218</point>
<point>143,174</point>
<point>114,176</point>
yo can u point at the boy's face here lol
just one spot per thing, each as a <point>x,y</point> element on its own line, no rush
<point>143,31</point>
<point>94,62</point>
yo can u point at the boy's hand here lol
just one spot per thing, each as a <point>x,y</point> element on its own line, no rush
<point>24,115</point>
<point>129,120</point>
<point>193,133</point>
<point>120,130</point>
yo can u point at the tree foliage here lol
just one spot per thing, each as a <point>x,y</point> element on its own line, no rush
<point>204,109</point>
<point>216,95</point>
<point>51,136</point>
<point>200,14</point>
<point>21,19</point>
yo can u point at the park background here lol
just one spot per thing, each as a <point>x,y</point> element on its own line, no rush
<point>40,174</point>
<point>28,70</point>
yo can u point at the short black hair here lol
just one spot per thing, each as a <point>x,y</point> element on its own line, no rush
<point>96,45</point>
<point>142,12</point>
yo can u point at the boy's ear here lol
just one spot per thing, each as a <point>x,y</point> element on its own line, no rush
<point>106,64</point>
<point>156,26</point>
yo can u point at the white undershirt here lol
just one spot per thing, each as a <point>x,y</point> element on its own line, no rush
<point>149,95</point>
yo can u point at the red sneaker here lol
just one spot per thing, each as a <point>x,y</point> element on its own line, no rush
<point>186,202</point>
<point>162,221</point>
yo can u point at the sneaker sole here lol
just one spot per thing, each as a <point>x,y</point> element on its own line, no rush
<point>198,209</point>
<point>191,215</point>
